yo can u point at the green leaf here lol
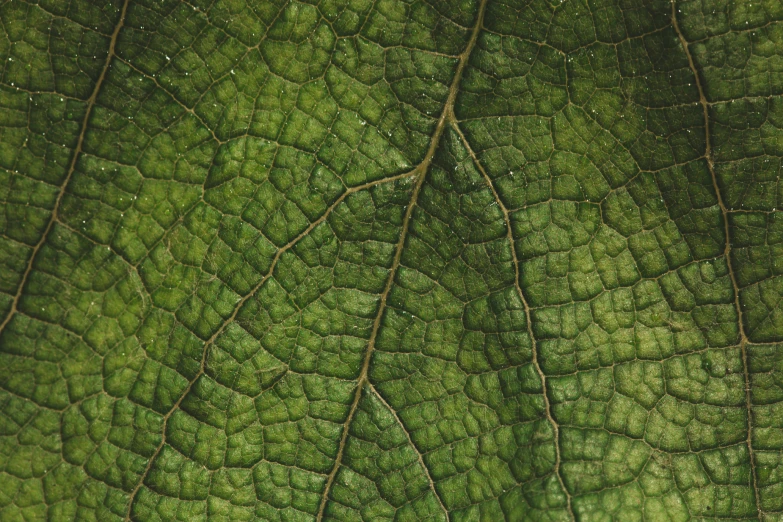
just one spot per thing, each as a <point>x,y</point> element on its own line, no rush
<point>366,260</point>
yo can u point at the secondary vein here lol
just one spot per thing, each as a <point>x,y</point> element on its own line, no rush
<point>232,317</point>
<point>71,167</point>
<point>419,456</point>
<point>526,307</point>
<point>726,251</point>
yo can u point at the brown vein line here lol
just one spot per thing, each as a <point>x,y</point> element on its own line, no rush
<point>526,306</point>
<point>71,168</point>
<point>238,307</point>
<point>413,446</point>
<point>421,172</point>
<point>727,250</point>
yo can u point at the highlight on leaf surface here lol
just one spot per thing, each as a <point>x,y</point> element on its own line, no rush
<point>405,260</point>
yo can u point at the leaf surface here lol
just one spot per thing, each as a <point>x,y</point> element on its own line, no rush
<point>353,260</point>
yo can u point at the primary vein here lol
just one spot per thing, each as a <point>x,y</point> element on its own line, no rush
<point>421,173</point>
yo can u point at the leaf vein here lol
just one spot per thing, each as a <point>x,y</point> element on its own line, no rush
<point>726,252</point>
<point>526,306</point>
<point>71,168</point>
<point>232,317</point>
<point>421,172</point>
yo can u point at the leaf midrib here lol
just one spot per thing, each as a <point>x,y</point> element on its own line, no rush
<point>447,115</point>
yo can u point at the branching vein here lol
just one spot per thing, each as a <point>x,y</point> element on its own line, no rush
<point>526,306</point>
<point>421,173</point>
<point>237,308</point>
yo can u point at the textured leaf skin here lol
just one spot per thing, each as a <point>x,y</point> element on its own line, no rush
<point>367,260</point>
